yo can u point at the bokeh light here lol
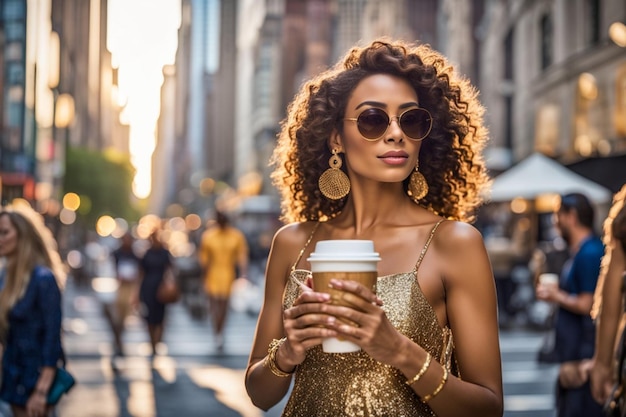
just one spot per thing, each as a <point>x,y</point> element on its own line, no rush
<point>193,221</point>
<point>67,216</point>
<point>519,205</point>
<point>105,225</point>
<point>71,201</point>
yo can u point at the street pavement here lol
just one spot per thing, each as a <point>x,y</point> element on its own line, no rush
<point>528,385</point>
<point>191,378</point>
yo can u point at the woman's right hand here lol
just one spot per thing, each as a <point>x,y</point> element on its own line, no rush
<point>305,325</point>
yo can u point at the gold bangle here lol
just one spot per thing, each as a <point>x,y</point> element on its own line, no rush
<point>421,372</point>
<point>270,359</point>
<point>439,388</point>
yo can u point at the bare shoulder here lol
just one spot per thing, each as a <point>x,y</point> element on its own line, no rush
<point>462,253</point>
<point>287,243</point>
<point>291,238</point>
<point>456,236</point>
<point>293,233</point>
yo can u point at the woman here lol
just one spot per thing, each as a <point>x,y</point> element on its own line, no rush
<point>402,134</point>
<point>30,312</point>
<point>223,249</point>
<point>127,273</point>
<point>608,304</point>
<point>155,264</point>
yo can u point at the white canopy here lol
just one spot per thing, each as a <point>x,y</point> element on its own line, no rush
<point>537,175</point>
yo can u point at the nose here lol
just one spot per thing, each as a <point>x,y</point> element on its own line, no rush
<point>394,131</point>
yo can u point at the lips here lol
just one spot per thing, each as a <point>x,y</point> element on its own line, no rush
<point>394,157</point>
<point>394,154</point>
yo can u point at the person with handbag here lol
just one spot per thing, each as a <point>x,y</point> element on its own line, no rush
<point>608,373</point>
<point>30,314</point>
<point>574,331</point>
<point>155,267</point>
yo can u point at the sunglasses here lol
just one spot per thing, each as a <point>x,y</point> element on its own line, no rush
<point>374,122</point>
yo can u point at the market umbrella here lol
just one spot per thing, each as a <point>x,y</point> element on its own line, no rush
<point>537,175</point>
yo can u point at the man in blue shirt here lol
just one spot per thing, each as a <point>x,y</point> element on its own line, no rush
<point>574,329</point>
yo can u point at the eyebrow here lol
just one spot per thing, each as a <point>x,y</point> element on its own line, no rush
<point>383,105</point>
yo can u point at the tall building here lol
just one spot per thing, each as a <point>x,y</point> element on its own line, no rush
<point>549,74</point>
<point>19,75</point>
<point>556,81</point>
<point>58,89</point>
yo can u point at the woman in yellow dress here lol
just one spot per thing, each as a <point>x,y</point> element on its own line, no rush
<point>385,146</point>
<point>223,249</point>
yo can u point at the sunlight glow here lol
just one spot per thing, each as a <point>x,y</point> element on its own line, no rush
<point>142,38</point>
<point>229,388</point>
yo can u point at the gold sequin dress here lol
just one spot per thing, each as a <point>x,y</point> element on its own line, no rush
<point>354,384</point>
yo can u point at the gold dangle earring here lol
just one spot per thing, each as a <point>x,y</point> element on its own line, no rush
<point>333,182</point>
<point>418,187</point>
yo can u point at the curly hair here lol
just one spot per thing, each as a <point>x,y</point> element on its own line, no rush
<point>451,157</point>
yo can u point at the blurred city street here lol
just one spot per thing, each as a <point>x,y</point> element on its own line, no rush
<point>147,118</point>
<point>190,378</point>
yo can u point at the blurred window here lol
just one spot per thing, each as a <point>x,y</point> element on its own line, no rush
<point>593,11</point>
<point>13,9</point>
<point>547,41</point>
<point>14,30</point>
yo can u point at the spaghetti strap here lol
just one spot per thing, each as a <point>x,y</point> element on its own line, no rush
<point>423,252</point>
<point>293,267</point>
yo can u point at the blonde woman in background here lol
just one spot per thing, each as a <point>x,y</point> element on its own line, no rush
<point>30,312</point>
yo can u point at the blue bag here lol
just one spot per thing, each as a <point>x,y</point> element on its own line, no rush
<point>63,382</point>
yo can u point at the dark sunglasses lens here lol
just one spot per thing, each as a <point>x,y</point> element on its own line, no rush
<point>372,123</point>
<point>416,123</point>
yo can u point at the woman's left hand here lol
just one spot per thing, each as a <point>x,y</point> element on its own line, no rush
<point>371,330</point>
<point>602,381</point>
<point>36,405</point>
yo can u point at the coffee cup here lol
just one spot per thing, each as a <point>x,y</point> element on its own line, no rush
<point>549,279</point>
<point>347,259</point>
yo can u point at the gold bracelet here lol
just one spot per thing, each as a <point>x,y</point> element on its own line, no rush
<point>439,388</point>
<point>421,372</point>
<point>270,359</point>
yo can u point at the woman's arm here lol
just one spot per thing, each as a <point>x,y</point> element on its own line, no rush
<point>302,325</point>
<point>471,310</point>
<point>49,300</point>
<point>607,323</point>
<point>264,388</point>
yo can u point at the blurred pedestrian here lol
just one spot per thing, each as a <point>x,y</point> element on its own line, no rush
<point>156,264</point>
<point>609,365</point>
<point>127,265</point>
<point>30,311</point>
<point>384,146</point>
<point>573,295</point>
<point>223,255</point>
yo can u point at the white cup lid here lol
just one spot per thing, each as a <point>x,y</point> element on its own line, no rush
<point>344,249</point>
